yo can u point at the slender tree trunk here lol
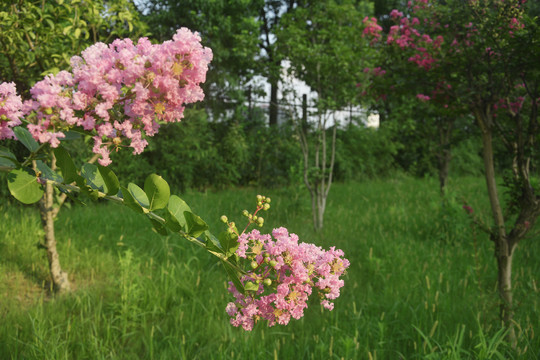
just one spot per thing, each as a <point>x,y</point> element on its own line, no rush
<point>445,154</point>
<point>273,109</point>
<point>504,266</point>
<point>503,249</point>
<point>59,277</point>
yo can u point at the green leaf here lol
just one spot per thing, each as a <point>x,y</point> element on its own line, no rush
<point>251,286</point>
<point>175,211</point>
<point>172,223</point>
<point>7,158</point>
<point>26,138</point>
<point>71,135</point>
<point>67,29</point>
<point>212,243</point>
<point>112,185</point>
<point>47,172</point>
<point>195,225</point>
<point>138,194</point>
<point>93,177</point>
<point>233,275</point>
<point>130,201</point>
<point>158,227</point>
<point>23,185</point>
<point>228,241</point>
<point>66,164</point>
<point>158,192</point>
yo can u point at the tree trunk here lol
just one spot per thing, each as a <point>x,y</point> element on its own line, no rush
<point>59,277</point>
<point>503,249</point>
<point>273,109</point>
<point>445,154</point>
<point>504,266</point>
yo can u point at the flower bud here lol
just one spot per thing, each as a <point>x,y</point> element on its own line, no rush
<point>223,219</point>
<point>267,200</point>
<point>245,213</point>
<point>267,282</point>
<point>254,265</point>
<point>259,198</point>
<point>273,263</point>
<point>266,206</point>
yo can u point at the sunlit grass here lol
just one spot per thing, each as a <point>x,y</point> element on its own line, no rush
<point>416,288</point>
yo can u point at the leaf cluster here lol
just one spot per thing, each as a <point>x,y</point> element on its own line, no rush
<point>39,37</point>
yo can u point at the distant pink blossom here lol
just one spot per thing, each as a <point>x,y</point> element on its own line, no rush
<point>395,14</point>
<point>371,29</point>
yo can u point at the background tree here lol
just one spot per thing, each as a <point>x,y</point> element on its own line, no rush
<point>482,55</point>
<point>427,126</point>
<point>318,38</point>
<point>39,38</point>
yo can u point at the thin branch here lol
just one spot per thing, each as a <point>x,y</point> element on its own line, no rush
<point>150,214</point>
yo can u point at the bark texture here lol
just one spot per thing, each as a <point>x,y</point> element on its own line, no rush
<point>503,248</point>
<point>59,277</point>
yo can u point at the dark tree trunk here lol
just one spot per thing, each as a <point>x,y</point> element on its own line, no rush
<point>273,110</point>
<point>504,249</point>
<point>445,154</point>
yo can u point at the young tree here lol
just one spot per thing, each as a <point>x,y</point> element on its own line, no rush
<point>38,38</point>
<point>482,55</point>
<point>319,40</point>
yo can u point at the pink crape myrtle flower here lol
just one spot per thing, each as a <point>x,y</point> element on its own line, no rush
<point>285,273</point>
<point>119,93</point>
<point>10,110</point>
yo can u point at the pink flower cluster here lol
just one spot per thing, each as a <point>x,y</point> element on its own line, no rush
<point>120,92</point>
<point>284,275</point>
<point>371,29</point>
<point>10,110</point>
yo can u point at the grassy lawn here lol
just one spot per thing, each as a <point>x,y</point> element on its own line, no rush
<point>422,281</point>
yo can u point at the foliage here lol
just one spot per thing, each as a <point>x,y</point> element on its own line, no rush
<point>217,155</point>
<point>319,38</point>
<point>478,58</point>
<point>229,28</point>
<point>39,37</point>
<point>365,153</point>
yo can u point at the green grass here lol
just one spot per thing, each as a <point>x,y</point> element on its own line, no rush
<point>416,288</point>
